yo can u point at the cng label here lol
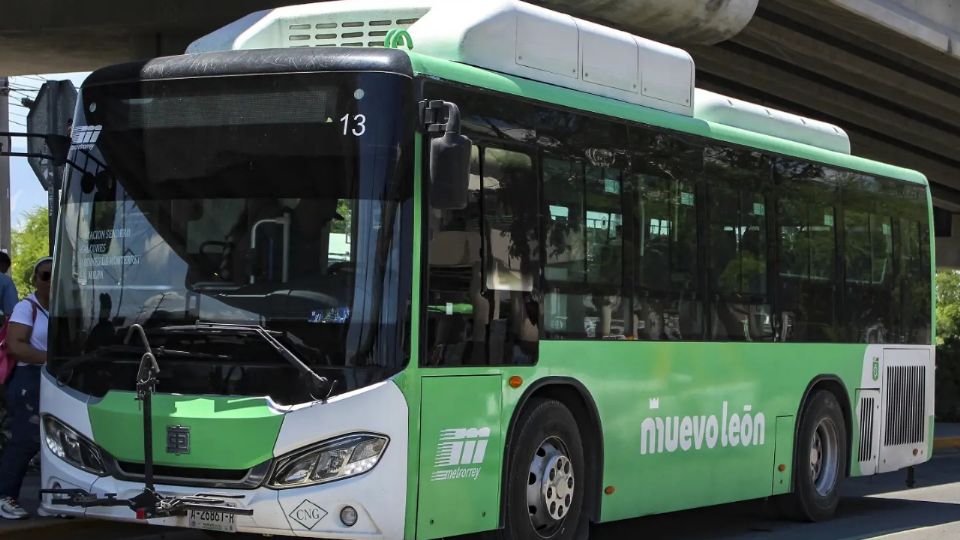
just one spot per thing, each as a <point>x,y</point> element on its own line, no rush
<point>876,369</point>
<point>308,514</point>
<point>460,453</point>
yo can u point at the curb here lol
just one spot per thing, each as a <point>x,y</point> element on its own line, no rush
<point>946,443</point>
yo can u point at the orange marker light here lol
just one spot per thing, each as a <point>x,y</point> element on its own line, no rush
<point>781,467</point>
<point>515,382</point>
<point>609,490</point>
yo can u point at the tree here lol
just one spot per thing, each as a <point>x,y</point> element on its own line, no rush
<point>29,242</point>
<point>948,304</point>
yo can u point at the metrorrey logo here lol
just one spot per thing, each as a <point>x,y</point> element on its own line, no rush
<point>670,433</point>
<point>460,453</point>
<point>85,137</point>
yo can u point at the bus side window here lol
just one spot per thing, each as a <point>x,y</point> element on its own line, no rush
<point>511,256</point>
<point>584,236</point>
<point>868,256</point>
<point>483,305</point>
<point>456,311</point>
<point>741,309</point>
<point>806,217</point>
<point>662,222</point>
<point>912,238</point>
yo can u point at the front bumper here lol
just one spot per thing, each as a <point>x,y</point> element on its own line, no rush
<point>379,496</point>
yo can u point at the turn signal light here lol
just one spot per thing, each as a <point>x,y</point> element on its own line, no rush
<point>515,381</point>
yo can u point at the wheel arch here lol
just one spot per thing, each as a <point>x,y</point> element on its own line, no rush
<point>575,396</point>
<point>835,386</point>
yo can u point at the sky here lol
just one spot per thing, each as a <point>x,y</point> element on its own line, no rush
<point>25,190</point>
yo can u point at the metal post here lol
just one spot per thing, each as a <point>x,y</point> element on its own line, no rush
<point>4,167</point>
<point>53,191</point>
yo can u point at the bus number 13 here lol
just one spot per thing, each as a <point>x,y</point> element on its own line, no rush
<point>359,122</point>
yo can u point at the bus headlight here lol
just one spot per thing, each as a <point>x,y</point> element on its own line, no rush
<point>331,460</point>
<point>72,447</point>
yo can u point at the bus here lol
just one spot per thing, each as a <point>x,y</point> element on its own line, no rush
<point>415,269</point>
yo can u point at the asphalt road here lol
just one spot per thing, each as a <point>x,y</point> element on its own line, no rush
<point>874,507</point>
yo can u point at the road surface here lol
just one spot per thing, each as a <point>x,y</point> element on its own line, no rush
<point>873,507</point>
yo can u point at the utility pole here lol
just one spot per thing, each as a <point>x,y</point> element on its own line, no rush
<point>4,166</point>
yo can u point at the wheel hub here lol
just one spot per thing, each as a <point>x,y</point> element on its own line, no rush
<point>824,457</point>
<point>551,484</point>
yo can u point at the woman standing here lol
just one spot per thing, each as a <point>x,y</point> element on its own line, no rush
<point>27,342</point>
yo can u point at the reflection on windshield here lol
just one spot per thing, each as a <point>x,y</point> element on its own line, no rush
<point>295,227</point>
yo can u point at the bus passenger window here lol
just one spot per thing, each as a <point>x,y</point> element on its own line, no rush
<point>913,283</point>
<point>738,245</point>
<point>805,216</point>
<point>482,300</point>
<point>663,216</point>
<point>869,235</point>
<point>584,246</point>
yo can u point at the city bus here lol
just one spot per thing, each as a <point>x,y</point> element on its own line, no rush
<point>415,269</point>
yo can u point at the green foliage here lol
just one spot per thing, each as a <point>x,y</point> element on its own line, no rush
<point>28,243</point>
<point>341,224</point>
<point>948,345</point>
<point>948,305</point>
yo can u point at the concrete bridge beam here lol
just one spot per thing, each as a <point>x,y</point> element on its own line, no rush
<point>679,21</point>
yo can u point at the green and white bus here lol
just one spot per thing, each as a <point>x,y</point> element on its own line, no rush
<point>415,269</point>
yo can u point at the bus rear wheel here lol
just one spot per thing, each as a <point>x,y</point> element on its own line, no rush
<point>546,480</point>
<point>820,462</point>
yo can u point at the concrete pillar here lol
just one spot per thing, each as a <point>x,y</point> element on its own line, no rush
<point>948,247</point>
<point>678,22</point>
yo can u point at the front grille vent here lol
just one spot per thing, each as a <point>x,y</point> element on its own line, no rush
<point>906,395</point>
<point>190,476</point>
<point>866,428</point>
<point>217,475</point>
<point>353,33</point>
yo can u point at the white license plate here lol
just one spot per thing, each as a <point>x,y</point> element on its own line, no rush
<point>211,520</point>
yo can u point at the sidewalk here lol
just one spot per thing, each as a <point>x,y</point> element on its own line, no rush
<point>43,528</point>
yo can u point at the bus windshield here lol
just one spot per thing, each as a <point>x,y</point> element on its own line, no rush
<point>277,201</point>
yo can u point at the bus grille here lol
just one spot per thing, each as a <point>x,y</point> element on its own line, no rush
<point>906,395</point>
<point>866,428</point>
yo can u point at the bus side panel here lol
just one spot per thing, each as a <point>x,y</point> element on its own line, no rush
<point>461,448</point>
<point>693,424</point>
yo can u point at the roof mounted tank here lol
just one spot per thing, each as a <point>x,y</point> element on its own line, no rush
<point>508,36</point>
<point>520,39</point>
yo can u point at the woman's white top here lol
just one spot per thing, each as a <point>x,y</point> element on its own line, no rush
<point>23,314</point>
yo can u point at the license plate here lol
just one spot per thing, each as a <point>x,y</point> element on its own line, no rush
<point>211,521</point>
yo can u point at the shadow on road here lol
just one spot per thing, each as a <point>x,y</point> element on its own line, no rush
<point>861,517</point>
<point>871,507</point>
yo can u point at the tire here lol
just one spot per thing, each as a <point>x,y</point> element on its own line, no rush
<point>820,460</point>
<point>546,440</point>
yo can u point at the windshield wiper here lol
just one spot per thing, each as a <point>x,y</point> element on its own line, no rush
<point>104,353</point>
<point>100,353</point>
<point>201,327</point>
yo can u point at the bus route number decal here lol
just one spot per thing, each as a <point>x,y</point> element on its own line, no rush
<point>358,122</point>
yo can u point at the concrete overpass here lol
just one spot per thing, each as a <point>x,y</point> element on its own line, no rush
<point>887,71</point>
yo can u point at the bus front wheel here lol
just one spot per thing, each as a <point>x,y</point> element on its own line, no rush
<point>546,481</point>
<point>821,460</point>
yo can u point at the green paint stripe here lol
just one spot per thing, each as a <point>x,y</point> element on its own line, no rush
<point>409,380</point>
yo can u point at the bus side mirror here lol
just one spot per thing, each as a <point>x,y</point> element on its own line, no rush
<point>450,165</point>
